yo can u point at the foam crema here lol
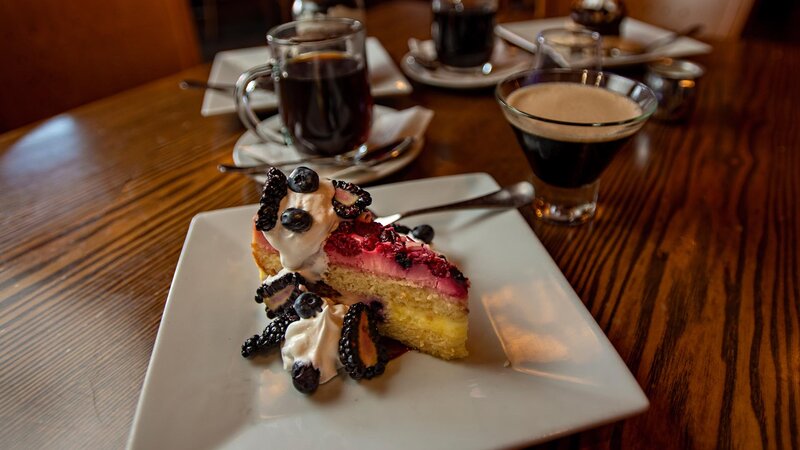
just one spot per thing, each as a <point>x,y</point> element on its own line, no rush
<point>575,103</point>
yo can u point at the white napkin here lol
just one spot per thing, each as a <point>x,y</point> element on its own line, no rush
<point>386,128</point>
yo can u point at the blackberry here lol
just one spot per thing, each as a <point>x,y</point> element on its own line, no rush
<point>280,293</point>
<point>274,190</point>
<point>307,305</point>
<point>250,345</point>
<point>272,335</point>
<point>360,348</point>
<point>303,180</point>
<point>424,233</point>
<point>349,201</point>
<point>296,219</point>
<point>275,331</point>
<point>305,377</point>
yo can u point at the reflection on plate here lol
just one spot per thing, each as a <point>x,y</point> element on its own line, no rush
<point>523,34</point>
<point>505,60</point>
<point>539,366</point>
<point>241,157</point>
<point>384,77</point>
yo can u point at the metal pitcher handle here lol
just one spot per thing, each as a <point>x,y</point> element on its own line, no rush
<point>244,87</point>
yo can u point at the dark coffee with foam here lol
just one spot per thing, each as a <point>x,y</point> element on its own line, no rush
<point>566,154</point>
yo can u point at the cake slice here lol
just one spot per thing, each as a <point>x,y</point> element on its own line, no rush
<point>324,240</point>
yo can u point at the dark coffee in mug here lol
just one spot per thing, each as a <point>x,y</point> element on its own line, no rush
<point>325,102</point>
<point>463,37</point>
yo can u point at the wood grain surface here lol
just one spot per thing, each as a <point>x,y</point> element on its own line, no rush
<point>691,266</point>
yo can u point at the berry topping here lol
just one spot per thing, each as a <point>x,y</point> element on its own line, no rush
<point>403,259</point>
<point>402,229</point>
<point>366,228</point>
<point>423,232</point>
<point>439,267</point>
<point>305,377</point>
<point>272,335</point>
<point>343,244</point>
<point>360,348</point>
<point>274,190</point>
<point>349,201</point>
<point>279,293</point>
<point>297,220</point>
<point>308,305</point>
<point>303,180</point>
<point>457,275</point>
<point>388,235</point>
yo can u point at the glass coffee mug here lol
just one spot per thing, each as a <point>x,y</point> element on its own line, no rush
<point>319,69</point>
<point>463,32</point>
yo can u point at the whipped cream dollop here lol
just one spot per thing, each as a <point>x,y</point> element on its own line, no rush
<point>302,251</point>
<point>316,341</point>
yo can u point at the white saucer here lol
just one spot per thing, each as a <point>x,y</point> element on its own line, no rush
<point>523,34</point>
<point>505,59</point>
<point>357,175</point>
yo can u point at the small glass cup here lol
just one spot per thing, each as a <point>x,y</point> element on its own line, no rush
<point>675,83</point>
<point>567,48</point>
<point>570,124</point>
<point>319,68</point>
<point>463,32</point>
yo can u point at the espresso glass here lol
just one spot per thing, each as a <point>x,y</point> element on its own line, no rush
<point>566,48</point>
<point>463,32</point>
<point>570,124</point>
<point>319,69</point>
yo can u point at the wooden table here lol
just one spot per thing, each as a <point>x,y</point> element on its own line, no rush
<point>691,266</point>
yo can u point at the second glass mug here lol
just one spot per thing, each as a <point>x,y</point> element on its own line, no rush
<point>319,68</point>
<point>463,32</point>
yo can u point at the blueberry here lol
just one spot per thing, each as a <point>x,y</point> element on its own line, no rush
<point>307,305</point>
<point>305,377</point>
<point>423,232</point>
<point>402,229</point>
<point>303,180</point>
<point>297,220</point>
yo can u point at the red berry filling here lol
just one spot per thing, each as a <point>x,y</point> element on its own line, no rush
<point>353,238</point>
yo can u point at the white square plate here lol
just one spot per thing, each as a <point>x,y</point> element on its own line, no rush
<point>523,34</point>
<point>539,366</point>
<point>384,77</point>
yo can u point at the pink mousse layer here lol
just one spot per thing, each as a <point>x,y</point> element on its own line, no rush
<point>364,252</point>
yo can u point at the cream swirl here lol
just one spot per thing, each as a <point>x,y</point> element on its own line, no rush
<point>302,251</point>
<point>316,341</point>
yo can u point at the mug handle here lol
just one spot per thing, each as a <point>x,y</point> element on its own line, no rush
<point>244,87</point>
